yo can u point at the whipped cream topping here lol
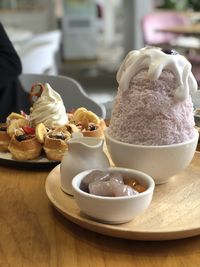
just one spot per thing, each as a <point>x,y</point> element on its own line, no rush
<point>49,109</point>
<point>155,60</point>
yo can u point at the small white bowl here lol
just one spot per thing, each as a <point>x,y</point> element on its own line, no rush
<point>160,162</point>
<point>114,210</point>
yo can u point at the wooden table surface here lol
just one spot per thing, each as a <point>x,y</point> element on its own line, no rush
<point>33,233</point>
<point>191,29</point>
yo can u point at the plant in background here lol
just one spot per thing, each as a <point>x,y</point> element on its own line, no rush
<point>194,4</point>
<point>168,4</point>
<point>180,5</point>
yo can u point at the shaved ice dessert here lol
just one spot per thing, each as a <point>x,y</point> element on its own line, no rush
<point>153,105</point>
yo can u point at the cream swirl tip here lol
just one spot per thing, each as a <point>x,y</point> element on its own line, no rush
<point>49,109</point>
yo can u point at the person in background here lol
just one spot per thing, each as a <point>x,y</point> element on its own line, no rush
<point>12,96</point>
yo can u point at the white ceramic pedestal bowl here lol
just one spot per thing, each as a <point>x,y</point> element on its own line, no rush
<point>114,210</point>
<point>160,162</point>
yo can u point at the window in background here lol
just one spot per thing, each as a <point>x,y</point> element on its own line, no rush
<point>35,15</point>
<point>79,29</point>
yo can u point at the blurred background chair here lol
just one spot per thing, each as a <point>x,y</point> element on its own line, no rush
<point>72,93</point>
<point>152,25</point>
<point>153,22</point>
<point>40,53</point>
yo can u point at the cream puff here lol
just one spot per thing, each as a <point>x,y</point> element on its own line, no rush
<point>24,146</point>
<point>4,138</point>
<point>88,123</point>
<point>91,130</point>
<point>55,143</point>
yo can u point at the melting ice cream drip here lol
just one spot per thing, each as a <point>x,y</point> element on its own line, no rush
<point>156,60</point>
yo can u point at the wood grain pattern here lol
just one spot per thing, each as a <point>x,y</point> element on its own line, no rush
<point>33,233</point>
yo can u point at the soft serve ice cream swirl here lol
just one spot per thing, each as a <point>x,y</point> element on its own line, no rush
<point>49,109</point>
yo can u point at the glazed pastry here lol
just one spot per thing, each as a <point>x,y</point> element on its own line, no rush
<point>89,129</point>
<point>14,121</point>
<point>94,130</point>
<point>4,138</point>
<point>24,147</point>
<point>55,143</point>
<point>89,123</point>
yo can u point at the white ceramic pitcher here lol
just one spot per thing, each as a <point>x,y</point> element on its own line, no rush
<point>83,153</point>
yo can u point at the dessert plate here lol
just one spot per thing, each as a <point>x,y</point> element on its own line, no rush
<point>40,163</point>
<point>173,214</point>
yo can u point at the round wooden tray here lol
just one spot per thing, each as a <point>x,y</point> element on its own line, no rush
<point>173,214</point>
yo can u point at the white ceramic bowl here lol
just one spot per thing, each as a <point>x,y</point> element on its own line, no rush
<point>114,210</point>
<point>160,162</point>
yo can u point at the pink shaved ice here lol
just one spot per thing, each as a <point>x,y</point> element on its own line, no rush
<point>148,114</point>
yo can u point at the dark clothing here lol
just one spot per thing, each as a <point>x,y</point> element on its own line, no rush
<point>12,97</point>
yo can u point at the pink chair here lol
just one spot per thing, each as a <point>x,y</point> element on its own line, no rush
<point>152,22</point>
<point>195,61</point>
